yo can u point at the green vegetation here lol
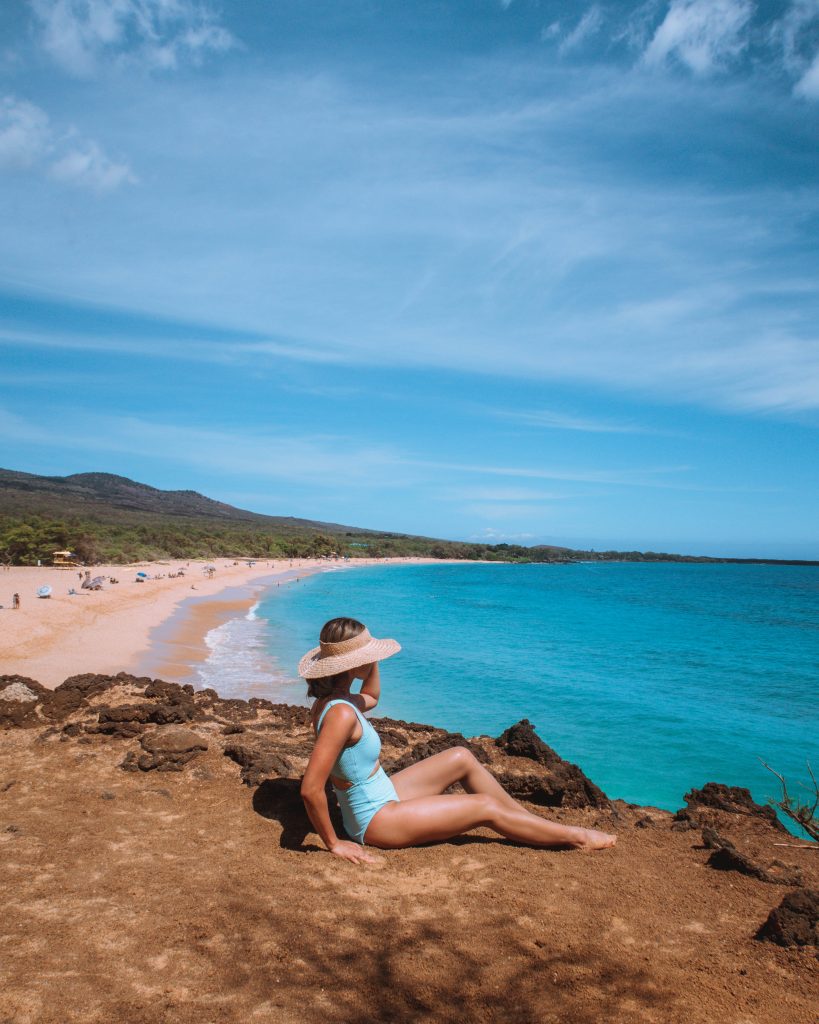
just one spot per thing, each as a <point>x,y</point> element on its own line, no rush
<point>106,518</point>
<point>135,537</point>
<point>26,539</point>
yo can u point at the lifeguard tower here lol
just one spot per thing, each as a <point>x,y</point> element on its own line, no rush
<point>63,560</point>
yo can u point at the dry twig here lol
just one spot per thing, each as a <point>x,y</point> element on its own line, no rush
<point>804,814</point>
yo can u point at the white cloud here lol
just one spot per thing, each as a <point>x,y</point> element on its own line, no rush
<point>28,141</point>
<point>157,33</point>
<point>791,33</point>
<point>88,166</point>
<point>273,455</point>
<point>551,419</point>
<point>24,133</point>
<point>539,260</point>
<point>491,536</point>
<point>797,33</point>
<point>298,458</point>
<point>808,84</point>
<point>705,35</point>
<point>588,25</point>
<point>642,476</point>
<point>504,494</point>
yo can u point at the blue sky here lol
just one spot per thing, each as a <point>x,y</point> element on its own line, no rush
<point>525,271</point>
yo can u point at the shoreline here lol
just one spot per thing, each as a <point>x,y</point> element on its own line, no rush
<point>129,626</point>
<point>178,646</point>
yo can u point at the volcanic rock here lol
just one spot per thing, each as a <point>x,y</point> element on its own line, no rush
<point>125,721</point>
<point>684,821</point>
<point>434,745</point>
<point>795,922</point>
<point>521,740</point>
<point>712,840</point>
<point>728,858</point>
<point>565,785</point>
<point>732,799</point>
<point>75,692</point>
<point>19,700</point>
<point>258,762</point>
<point>166,750</point>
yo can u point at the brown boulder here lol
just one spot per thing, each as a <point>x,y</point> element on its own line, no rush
<point>123,722</point>
<point>19,701</point>
<point>521,740</point>
<point>726,857</point>
<point>166,750</point>
<point>434,745</point>
<point>564,785</point>
<point>795,922</point>
<point>258,762</point>
<point>76,691</point>
<point>731,799</point>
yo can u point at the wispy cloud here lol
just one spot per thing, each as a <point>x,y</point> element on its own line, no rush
<point>589,25</point>
<point>305,457</point>
<point>271,455</point>
<point>88,166</point>
<point>795,35</point>
<point>643,476</point>
<point>29,141</point>
<point>705,35</point>
<point>553,420</point>
<point>159,34</point>
<point>25,133</point>
<point>490,535</point>
<point>503,495</point>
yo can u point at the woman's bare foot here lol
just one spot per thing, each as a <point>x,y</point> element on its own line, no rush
<point>591,839</point>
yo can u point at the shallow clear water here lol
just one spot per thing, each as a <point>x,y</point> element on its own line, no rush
<point>653,678</point>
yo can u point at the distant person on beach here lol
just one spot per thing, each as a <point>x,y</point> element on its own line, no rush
<point>411,807</point>
<point>15,601</point>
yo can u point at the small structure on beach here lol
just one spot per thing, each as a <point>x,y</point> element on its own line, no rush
<point>64,560</point>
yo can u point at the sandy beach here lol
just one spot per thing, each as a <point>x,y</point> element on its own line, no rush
<point>112,630</point>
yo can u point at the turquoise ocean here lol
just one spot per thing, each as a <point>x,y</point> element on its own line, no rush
<point>652,677</point>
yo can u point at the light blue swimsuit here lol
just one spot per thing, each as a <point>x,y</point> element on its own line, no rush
<point>368,793</point>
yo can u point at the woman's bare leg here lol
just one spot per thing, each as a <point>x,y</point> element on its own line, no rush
<point>435,774</point>
<point>433,818</point>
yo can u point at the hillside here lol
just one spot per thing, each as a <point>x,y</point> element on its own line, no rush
<point>159,868</point>
<point>107,493</point>
<point>102,517</point>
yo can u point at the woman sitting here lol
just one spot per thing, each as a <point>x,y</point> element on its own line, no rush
<point>411,807</point>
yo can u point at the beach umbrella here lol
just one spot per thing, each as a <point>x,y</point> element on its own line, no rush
<point>44,591</point>
<point>144,574</point>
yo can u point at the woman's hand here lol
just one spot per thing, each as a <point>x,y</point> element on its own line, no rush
<point>352,852</point>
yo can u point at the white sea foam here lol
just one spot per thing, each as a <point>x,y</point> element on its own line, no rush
<point>238,664</point>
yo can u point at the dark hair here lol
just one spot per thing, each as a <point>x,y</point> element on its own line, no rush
<point>333,632</point>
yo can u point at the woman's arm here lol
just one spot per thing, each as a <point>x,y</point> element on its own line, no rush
<point>337,727</point>
<point>371,686</point>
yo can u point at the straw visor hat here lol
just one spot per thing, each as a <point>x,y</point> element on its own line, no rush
<point>327,659</point>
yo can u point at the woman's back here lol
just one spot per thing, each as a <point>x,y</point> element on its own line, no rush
<point>357,762</point>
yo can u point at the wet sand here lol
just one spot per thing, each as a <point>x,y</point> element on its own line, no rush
<point>115,629</point>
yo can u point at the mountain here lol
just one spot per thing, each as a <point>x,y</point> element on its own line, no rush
<point>107,493</point>
<point>107,518</point>
<point>103,517</point>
